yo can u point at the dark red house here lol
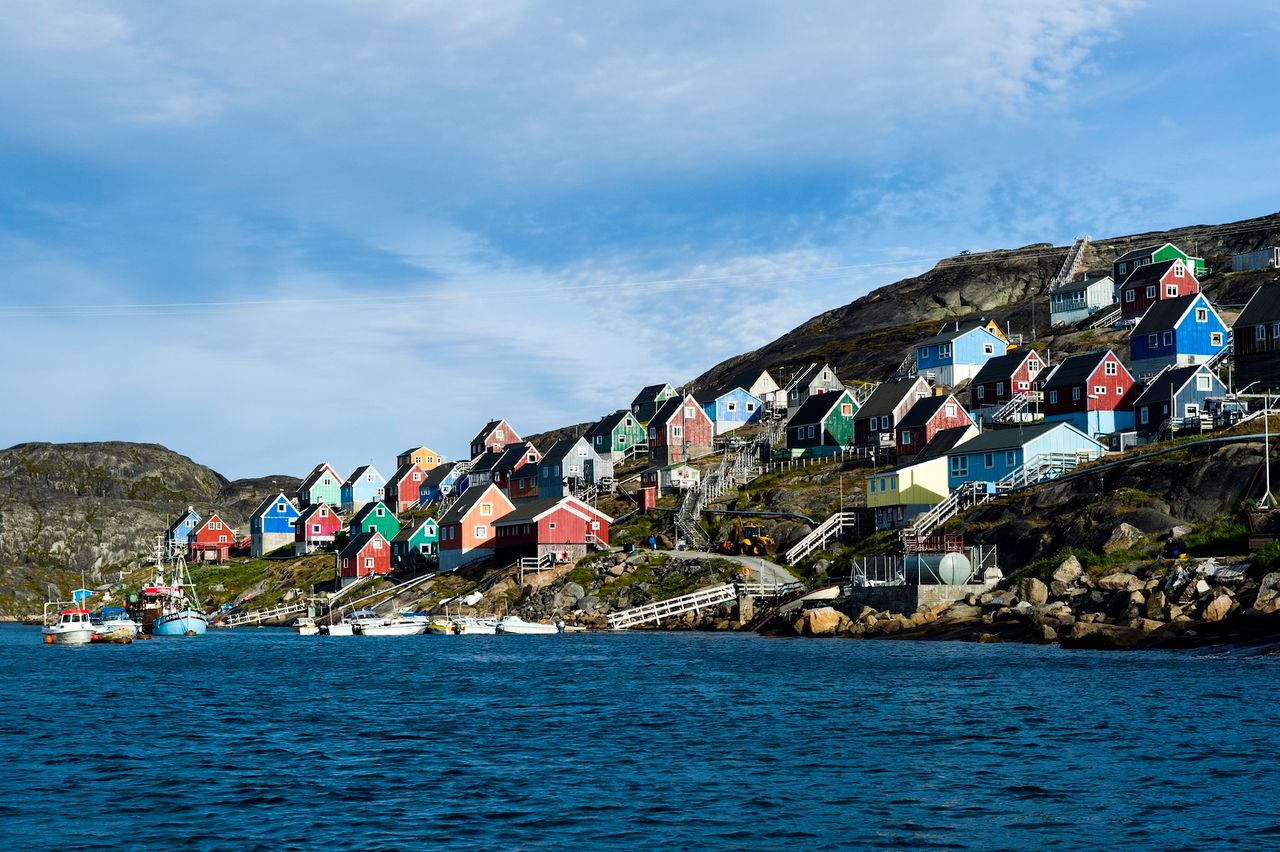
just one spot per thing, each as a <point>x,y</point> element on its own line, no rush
<point>366,555</point>
<point>211,541</point>
<point>493,438</point>
<point>403,489</point>
<point>680,430</point>
<point>565,527</point>
<point>1003,376</point>
<point>522,484</point>
<point>927,418</point>
<point>1093,392</point>
<point>1155,282</point>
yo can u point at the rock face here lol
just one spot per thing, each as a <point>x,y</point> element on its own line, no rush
<point>1268,600</point>
<point>823,621</point>
<point>1033,591</point>
<point>1123,537</point>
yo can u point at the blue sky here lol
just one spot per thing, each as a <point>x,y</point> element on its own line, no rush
<point>273,233</point>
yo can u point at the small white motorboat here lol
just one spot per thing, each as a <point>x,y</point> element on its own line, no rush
<point>471,626</point>
<point>404,624</point>
<point>73,627</point>
<point>306,627</point>
<point>517,626</point>
<point>114,625</point>
<point>346,627</point>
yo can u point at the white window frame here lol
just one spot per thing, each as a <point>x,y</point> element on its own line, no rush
<point>988,460</point>
<point>959,465</point>
<point>1215,338</point>
<point>1202,314</point>
<point>1110,368</point>
<point>1131,295</point>
<point>1204,382</point>
<point>480,532</point>
<point>1099,390</point>
<point>1151,291</point>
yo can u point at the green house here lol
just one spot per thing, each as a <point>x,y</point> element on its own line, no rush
<point>417,542</point>
<point>616,436</point>
<point>648,400</point>
<point>823,424</point>
<point>376,516</point>
<point>1124,265</point>
<point>322,485</point>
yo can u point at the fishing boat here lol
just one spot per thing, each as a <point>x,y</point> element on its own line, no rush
<point>71,627</point>
<point>168,605</point>
<point>515,625</point>
<point>113,625</point>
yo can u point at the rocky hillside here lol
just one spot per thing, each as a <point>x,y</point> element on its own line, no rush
<point>68,509</point>
<point>870,336</point>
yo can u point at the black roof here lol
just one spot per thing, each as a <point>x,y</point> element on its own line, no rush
<point>1082,283</point>
<point>1144,251</point>
<point>526,512</point>
<point>943,442</point>
<point>919,414</point>
<point>817,407</point>
<point>1001,367</point>
<point>561,448</point>
<point>408,531</point>
<point>1075,369</point>
<point>649,393</point>
<point>313,509</point>
<point>486,462</point>
<point>1149,273</point>
<point>1263,306</point>
<point>484,433</point>
<point>314,476</point>
<point>667,409</point>
<point>889,395</point>
<point>1164,314</point>
<point>810,374</point>
<point>437,474</point>
<point>357,544</point>
<point>368,508</point>
<point>1166,383</point>
<point>466,503</point>
<point>510,458</point>
<point>1007,439</point>
<point>605,425</point>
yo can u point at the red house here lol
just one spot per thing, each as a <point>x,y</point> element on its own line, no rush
<point>211,541</point>
<point>875,423</point>
<point>493,438</point>
<point>1093,392</point>
<point>1005,375</point>
<point>522,484</point>
<point>1153,283</point>
<point>680,430</point>
<point>564,528</point>
<point>466,530</point>
<point>366,555</point>
<point>516,459</point>
<point>315,528</point>
<point>403,489</point>
<point>927,418</point>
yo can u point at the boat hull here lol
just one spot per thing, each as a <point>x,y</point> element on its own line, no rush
<point>73,636</point>
<point>510,627</point>
<point>189,622</point>
<point>394,629</point>
<point>342,628</point>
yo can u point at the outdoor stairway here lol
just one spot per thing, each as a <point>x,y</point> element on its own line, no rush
<point>862,392</point>
<point>823,534</point>
<point>1217,360</point>
<point>907,369</point>
<point>735,467</point>
<point>1012,411</point>
<point>712,596</point>
<point>1071,263</point>
<point>1110,317</point>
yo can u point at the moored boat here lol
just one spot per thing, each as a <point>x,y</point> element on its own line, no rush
<point>468,625</point>
<point>515,625</point>
<point>404,624</point>
<point>168,605</point>
<point>306,627</point>
<point>113,625</point>
<point>72,627</point>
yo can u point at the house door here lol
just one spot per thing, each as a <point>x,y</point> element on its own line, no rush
<point>589,471</point>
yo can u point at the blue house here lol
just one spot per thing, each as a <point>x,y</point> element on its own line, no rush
<point>994,455</point>
<point>732,409</point>
<point>958,351</point>
<point>1184,391</point>
<point>570,465</point>
<point>364,485</point>
<point>442,481</point>
<point>1177,332</point>
<point>271,526</point>
<point>176,535</point>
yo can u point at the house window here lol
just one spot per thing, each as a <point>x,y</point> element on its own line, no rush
<point>922,353</point>
<point>1075,394</point>
<point>988,349</point>
<point>951,411</point>
<point>622,439</point>
<point>315,528</point>
<point>1023,386</point>
<point>1144,415</point>
<point>731,406</point>
<point>1260,332</point>
<point>810,432</point>
<point>826,376</point>
<point>327,481</point>
<point>222,539</point>
<point>1215,338</point>
<point>884,421</point>
<point>982,391</point>
<point>944,350</point>
<point>799,432</point>
<point>551,525</point>
<point>1099,390</point>
<point>499,435</point>
<point>324,513</point>
<point>417,477</point>
<point>1171,290</point>
<point>368,477</point>
<point>893,483</point>
<point>751,406</point>
<point>1130,295</point>
<point>1204,383</point>
<point>1168,338</point>
<point>1153,340</point>
<point>481,531</point>
<point>1151,291</point>
<point>846,410</point>
<point>988,460</point>
<point>1202,314</point>
<point>377,543</point>
<point>688,412</point>
<point>873,486</point>
<point>1110,368</point>
<point>1053,396</point>
<point>1123,268</point>
<point>380,512</point>
<point>999,388</point>
<point>595,525</point>
<point>653,433</point>
<point>1010,458</point>
<point>1275,329</point>
<point>368,562</point>
<point>959,465</point>
<point>1119,390</point>
<point>486,509</point>
<point>905,438</point>
<point>1177,271</point>
<point>280,507</point>
<point>215,525</point>
<point>677,432</point>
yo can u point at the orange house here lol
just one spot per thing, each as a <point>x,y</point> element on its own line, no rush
<point>466,530</point>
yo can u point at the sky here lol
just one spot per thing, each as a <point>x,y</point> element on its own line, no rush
<point>268,234</point>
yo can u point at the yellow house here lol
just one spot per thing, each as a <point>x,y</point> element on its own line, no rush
<point>900,493</point>
<point>424,457</point>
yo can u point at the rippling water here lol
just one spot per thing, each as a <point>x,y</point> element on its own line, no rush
<point>267,740</point>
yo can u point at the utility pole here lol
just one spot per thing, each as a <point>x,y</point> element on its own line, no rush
<point>1267,501</point>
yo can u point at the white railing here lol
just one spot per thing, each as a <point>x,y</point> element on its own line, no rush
<point>1108,318</point>
<point>1071,263</point>
<point>712,596</point>
<point>830,529</point>
<point>1014,409</point>
<point>258,616</point>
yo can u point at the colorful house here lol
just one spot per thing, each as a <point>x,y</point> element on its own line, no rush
<point>466,530</point>
<point>926,419</point>
<point>1093,392</point>
<point>617,436</point>
<point>1154,283</point>
<point>513,460</point>
<point>564,528</point>
<point>441,481</point>
<point>732,409</point>
<point>672,477</point>
<point>322,485</point>
<point>958,351</point>
<point>404,489</point>
<point>1004,377</point>
<point>994,455</point>
<point>417,543</point>
<point>1073,301</point>
<point>680,430</point>
<point>211,540</point>
<point>366,555</point>
<point>424,457</point>
<point>495,437</point>
<point>647,401</point>
<point>375,517</point>
<point>761,385</point>
<point>315,528</point>
<point>1176,333</point>
<point>1184,391</point>
<point>570,465</point>
<point>813,380</point>
<point>271,526</point>
<point>876,422</point>
<point>1255,338</point>
<point>522,485</point>
<point>897,495</point>
<point>1128,263</point>
<point>178,531</point>
<point>823,425</point>
<point>365,485</point>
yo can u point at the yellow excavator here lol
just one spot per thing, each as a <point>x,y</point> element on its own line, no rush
<point>749,540</point>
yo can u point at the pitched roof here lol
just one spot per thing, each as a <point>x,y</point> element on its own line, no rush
<point>358,472</point>
<point>818,406</point>
<point>468,501</point>
<point>1007,439</point>
<point>605,425</point>
<point>1083,283</point>
<point>744,380</point>
<point>535,509</point>
<point>402,473</point>
<point>944,441</point>
<point>513,456</point>
<point>314,509</point>
<point>1167,382</point>
<point>314,476</point>
<point>488,430</point>
<point>649,393</point>
<point>957,328</point>
<point>1167,313</point>
<point>368,509</point>
<point>889,395</point>
<point>1001,367</point>
<point>669,407</point>
<point>187,512</point>
<point>919,414</point>
<point>1149,273</point>
<point>1263,306</point>
<point>1144,251</point>
<point>360,542</point>
<point>408,531</point>
<point>560,449</point>
<point>270,502</point>
<point>1075,369</point>
<point>437,475</point>
<point>810,375</point>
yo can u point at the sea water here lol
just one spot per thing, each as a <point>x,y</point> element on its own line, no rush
<point>263,739</point>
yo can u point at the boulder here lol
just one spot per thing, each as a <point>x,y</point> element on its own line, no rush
<point>1099,635</point>
<point>1066,576</point>
<point>1157,605</point>
<point>1217,608</point>
<point>1120,582</point>
<point>1042,633</point>
<point>1033,591</point>
<point>1180,531</point>
<point>822,621</point>
<point>1268,600</point>
<point>572,591</point>
<point>1146,625</point>
<point>617,569</point>
<point>589,604</point>
<point>1124,537</point>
